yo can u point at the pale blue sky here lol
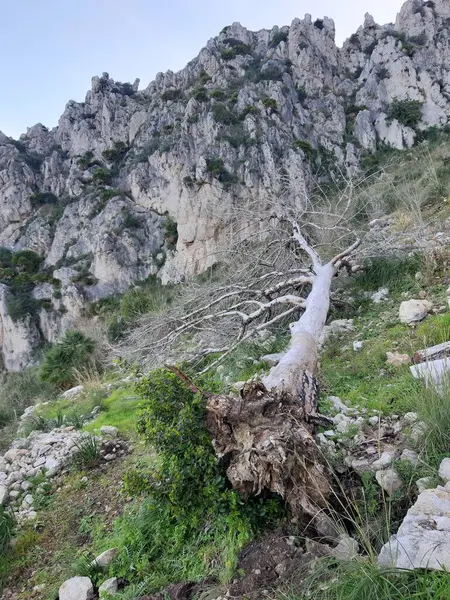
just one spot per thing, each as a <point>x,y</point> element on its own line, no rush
<point>50,49</point>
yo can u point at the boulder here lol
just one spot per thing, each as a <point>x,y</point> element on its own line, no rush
<point>413,311</point>
<point>272,359</point>
<point>108,588</point>
<point>434,372</point>
<point>346,549</point>
<point>424,483</point>
<point>423,539</point>
<point>68,394</point>
<point>395,359</point>
<point>389,480</point>
<point>76,588</point>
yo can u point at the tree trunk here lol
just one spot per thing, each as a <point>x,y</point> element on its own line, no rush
<point>266,436</point>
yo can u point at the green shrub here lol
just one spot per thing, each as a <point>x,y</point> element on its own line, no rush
<point>397,274</point>
<point>102,176</point>
<point>218,94</point>
<point>42,198</point>
<point>200,94</point>
<point>172,94</point>
<point>170,232</point>
<point>73,353</point>
<point>191,525</point>
<point>27,261</point>
<point>306,147</point>
<point>222,114</point>
<point>18,391</point>
<point>116,153</point>
<point>5,257</point>
<point>278,37</point>
<point>216,167</point>
<point>86,161</point>
<point>407,112</point>
<point>270,103</point>
<point>21,304</point>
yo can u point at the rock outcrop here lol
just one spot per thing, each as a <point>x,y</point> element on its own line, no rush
<point>137,183</point>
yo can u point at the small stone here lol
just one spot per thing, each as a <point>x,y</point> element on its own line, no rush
<point>109,430</point>
<point>346,549</point>
<point>39,588</point>
<point>76,588</point>
<point>389,480</point>
<point>108,588</point>
<point>395,359</point>
<point>444,469</point>
<point>28,499</point>
<point>410,417</point>
<point>413,311</point>
<point>109,457</point>
<point>106,558</point>
<point>384,461</point>
<point>424,483</point>
<point>357,346</point>
<point>374,421</point>
<point>410,456</point>
<point>26,485</point>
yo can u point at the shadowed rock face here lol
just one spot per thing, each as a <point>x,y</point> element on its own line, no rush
<point>137,183</point>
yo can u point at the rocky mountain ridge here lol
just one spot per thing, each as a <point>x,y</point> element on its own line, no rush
<point>133,184</point>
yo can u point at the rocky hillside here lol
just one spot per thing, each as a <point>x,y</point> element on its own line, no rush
<point>133,183</point>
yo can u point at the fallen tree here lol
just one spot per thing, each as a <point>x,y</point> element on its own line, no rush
<point>266,436</point>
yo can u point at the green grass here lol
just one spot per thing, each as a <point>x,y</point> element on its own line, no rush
<point>363,580</point>
<point>119,410</point>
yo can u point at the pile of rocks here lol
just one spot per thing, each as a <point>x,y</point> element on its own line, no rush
<point>31,462</point>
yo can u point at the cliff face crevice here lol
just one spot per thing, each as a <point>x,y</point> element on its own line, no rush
<point>137,183</point>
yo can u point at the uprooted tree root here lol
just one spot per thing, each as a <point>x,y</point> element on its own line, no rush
<point>266,440</point>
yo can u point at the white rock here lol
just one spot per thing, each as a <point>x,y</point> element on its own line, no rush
<point>357,346</point>
<point>3,494</point>
<point>410,456</point>
<point>272,359</point>
<point>106,558</point>
<point>423,539</point>
<point>384,461</point>
<point>68,394</point>
<point>395,359</point>
<point>380,296</point>
<point>424,483</point>
<point>413,311</point>
<point>410,417</point>
<point>435,373</point>
<point>346,549</point>
<point>108,588</point>
<point>109,430</point>
<point>76,588</point>
<point>389,480</point>
<point>444,469</point>
<point>374,421</point>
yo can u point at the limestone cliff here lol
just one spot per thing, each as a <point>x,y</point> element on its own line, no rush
<point>134,183</point>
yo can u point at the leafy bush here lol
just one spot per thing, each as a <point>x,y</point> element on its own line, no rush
<point>306,147</point>
<point>222,114</point>
<point>61,362</point>
<point>235,48</point>
<point>218,94</point>
<point>170,232</point>
<point>216,167</point>
<point>21,304</point>
<point>319,24</point>
<point>26,261</point>
<point>102,176</point>
<point>86,160</point>
<point>200,94</point>
<point>278,37</point>
<point>407,112</point>
<point>192,525</point>
<point>116,153</point>
<point>42,198</point>
<point>270,103</point>
<point>171,94</point>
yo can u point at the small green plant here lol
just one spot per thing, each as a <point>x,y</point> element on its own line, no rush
<point>200,94</point>
<point>171,232</point>
<point>102,176</point>
<point>7,527</point>
<point>43,198</point>
<point>278,37</point>
<point>74,352</point>
<point>171,95</point>
<point>306,147</point>
<point>270,103</point>
<point>222,114</point>
<point>88,454</point>
<point>216,167</point>
<point>116,153</point>
<point>407,112</point>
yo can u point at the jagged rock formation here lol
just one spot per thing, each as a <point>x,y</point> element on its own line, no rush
<point>137,183</point>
